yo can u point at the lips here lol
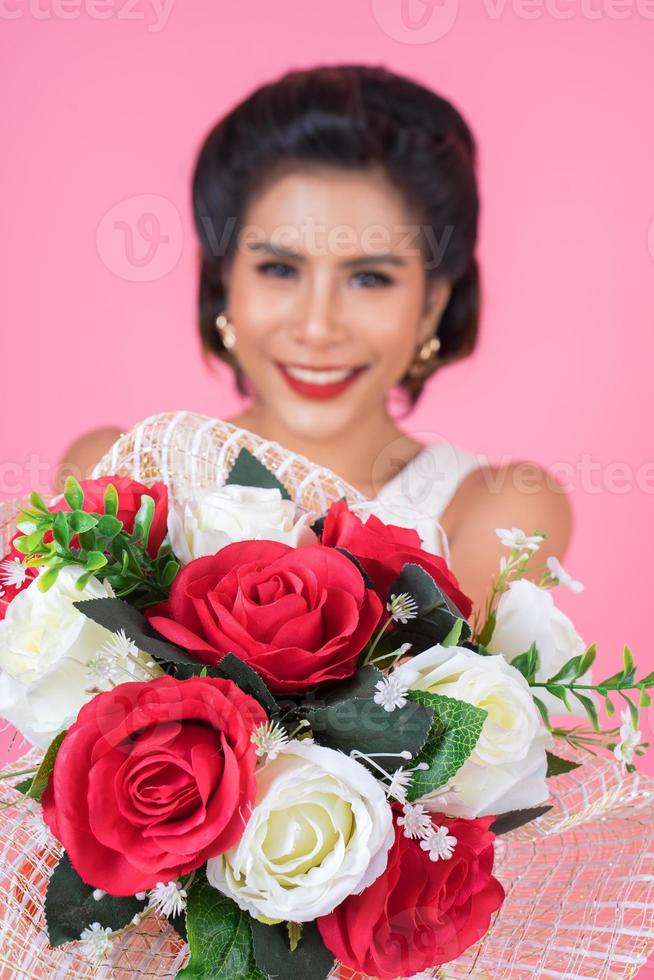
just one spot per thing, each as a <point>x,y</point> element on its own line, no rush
<point>325,382</point>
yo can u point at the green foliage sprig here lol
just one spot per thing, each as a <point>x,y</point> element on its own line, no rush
<point>98,544</point>
<point>564,683</point>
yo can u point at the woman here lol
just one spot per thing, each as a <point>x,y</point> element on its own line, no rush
<point>337,212</point>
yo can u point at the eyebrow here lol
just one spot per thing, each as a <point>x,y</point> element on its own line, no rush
<point>271,248</point>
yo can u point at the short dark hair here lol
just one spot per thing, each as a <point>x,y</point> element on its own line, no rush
<point>353,117</point>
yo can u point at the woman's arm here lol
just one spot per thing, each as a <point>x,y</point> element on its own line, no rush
<point>520,495</point>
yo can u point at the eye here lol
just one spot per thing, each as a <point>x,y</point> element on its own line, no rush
<point>278,270</point>
<point>372,279</point>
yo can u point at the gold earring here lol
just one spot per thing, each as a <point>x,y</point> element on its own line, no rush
<point>425,357</point>
<point>225,330</point>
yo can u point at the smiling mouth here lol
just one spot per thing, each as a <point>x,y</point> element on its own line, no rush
<point>319,382</point>
<point>320,376</point>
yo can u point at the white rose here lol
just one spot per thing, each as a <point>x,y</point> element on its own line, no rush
<point>320,830</point>
<point>46,647</point>
<point>506,770</point>
<point>526,614</point>
<point>215,518</point>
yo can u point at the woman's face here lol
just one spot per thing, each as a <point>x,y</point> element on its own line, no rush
<point>328,276</point>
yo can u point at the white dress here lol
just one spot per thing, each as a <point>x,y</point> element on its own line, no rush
<point>418,495</point>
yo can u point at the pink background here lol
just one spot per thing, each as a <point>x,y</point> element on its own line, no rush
<point>109,105</point>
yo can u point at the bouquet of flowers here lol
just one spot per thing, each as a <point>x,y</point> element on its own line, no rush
<point>280,731</point>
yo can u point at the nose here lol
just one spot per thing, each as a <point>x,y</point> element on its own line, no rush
<point>316,322</point>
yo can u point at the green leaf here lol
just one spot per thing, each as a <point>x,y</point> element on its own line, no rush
<point>543,710</point>
<point>436,616</point>
<point>453,637</point>
<point>613,682</point>
<point>109,526</point>
<point>47,579</point>
<point>143,520</point>
<point>556,766</point>
<point>310,960</point>
<point>28,542</point>
<point>355,561</point>
<point>647,681</point>
<point>644,700</point>
<point>38,502</point>
<point>39,782</point>
<point>219,937</point>
<point>248,471</point>
<point>487,632</point>
<point>81,521</point>
<point>235,669</point>
<point>633,710</point>
<point>361,724</point>
<point>82,582</point>
<point>169,573</point>
<point>517,818</point>
<point>94,561</point>
<point>609,706</point>
<point>528,663</point>
<point>359,685</point>
<point>568,672</point>
<point>87,539</point>
<point>60,530</point>
<point>73,494</point>
<point>115,614</point>
<point>588,659</point>
<point>23,786</point>
<point>111,500</point>
<point>560,692</point>
<point>591,710</point>
<point>629,664</point>
<point>454,732</point>
<point>70,906</point>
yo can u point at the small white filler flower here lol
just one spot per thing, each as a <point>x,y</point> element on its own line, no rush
<point>96,941</point>
<point>557,571</point>
<point>516,538</point>
<point>168,899</point>
<point>13,573</point>
<point>402,607</point>
<point>629,739</point>
<point>391,692</point>
<point>440,844</point>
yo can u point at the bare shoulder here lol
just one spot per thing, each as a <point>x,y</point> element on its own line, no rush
<point>522,494</point>
<point>81,455</point>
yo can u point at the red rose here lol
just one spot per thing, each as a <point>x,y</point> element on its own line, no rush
<point>419,913</point>
<point>153,779</point>
<point>383,549</point>
<point>129,501</point>
<point>298,616</point>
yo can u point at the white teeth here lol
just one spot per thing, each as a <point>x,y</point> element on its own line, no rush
<point>319,377</point>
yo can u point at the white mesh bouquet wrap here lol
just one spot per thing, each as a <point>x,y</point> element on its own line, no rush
<point>579,880</point>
